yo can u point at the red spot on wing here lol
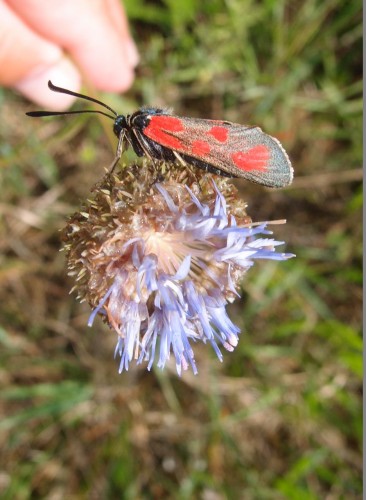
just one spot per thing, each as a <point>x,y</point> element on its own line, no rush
<point>163,138</point>
<point>219,133</point>
<point>200,148</point>
<point>254,159</point>
<point>168,123</point>
<point>158,130</point>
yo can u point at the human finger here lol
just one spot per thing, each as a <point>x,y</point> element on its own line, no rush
<point>27,61</point>
<point>94,32</point>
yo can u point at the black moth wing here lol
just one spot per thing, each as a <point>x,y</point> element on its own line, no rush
<point>227,148</point>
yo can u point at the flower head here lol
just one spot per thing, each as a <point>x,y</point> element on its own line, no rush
<point>159,261</point>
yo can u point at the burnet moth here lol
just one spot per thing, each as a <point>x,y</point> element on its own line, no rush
<point>219,147</point>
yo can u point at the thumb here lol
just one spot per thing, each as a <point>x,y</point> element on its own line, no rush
<point>34,85</point>
<point>27,61</point>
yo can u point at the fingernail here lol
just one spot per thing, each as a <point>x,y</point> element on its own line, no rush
<point>132,53</point>
<point>35,88</point>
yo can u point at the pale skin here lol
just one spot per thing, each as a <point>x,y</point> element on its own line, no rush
<point>66,41</point>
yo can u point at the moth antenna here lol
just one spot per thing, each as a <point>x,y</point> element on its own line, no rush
<point>76,94</point>
<point>61,90</point>
<point>37,114</point>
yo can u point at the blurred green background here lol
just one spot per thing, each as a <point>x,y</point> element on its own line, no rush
<point>281,416</point>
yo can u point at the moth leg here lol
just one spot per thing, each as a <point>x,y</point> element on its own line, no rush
<point>180,159</point>
<point>146,148</point>
<point>119,151</point>
<point>142,145</point>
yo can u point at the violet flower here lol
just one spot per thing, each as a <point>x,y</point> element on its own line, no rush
<point>160,261</point>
